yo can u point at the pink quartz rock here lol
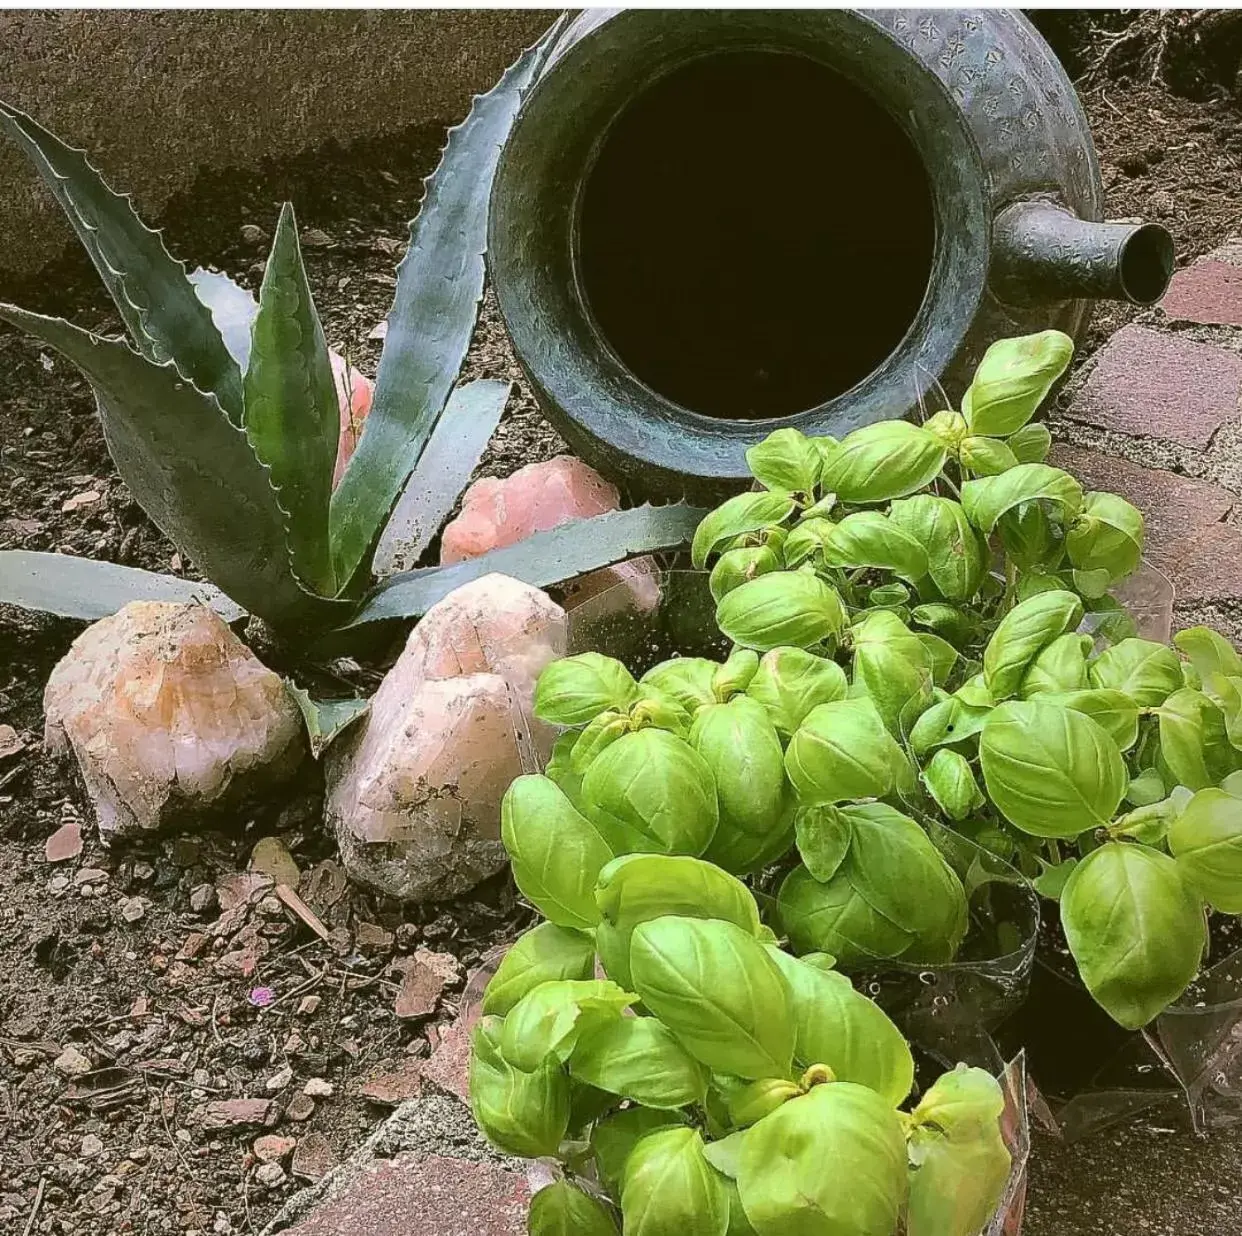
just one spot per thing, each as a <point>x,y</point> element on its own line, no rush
<point>354,392</point>
<point>537,498</point>
<point>169,715</point>
<point>414,789</point>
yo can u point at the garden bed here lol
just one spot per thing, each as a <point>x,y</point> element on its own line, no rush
<point>183,1032</point>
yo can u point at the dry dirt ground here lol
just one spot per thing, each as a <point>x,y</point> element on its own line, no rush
<point>178,1003</point>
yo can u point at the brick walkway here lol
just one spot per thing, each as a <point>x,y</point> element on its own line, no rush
<point>1155,416</point>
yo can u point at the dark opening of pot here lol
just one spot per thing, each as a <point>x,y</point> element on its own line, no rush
<point>756,235</point>
<point>1146,264</point>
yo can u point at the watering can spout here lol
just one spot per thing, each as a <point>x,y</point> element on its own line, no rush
<point>1043,253</point>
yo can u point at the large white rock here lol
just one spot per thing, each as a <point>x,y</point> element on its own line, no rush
<point>414,789</point>
<point>169,715</point>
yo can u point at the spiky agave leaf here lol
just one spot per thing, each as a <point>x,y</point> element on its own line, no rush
<point>450,458</point>
<point>88,589</point>
<point>541,559</point>
<point>292,418</point>
<point>325,719</point>
<point>439,286</point>
<point>151,290</point>
<point>190,469</point>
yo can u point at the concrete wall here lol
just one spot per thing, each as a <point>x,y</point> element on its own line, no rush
<point>155,95</point>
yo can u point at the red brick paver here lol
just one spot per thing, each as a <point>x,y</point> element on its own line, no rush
<point>1209,292</point>
<point>424,1196</point>
<point>1160,386</point>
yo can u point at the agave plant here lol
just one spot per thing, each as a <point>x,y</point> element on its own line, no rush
<point>225,426</point>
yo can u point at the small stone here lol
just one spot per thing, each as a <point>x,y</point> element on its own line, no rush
<point>316,238</point>
<point>389,1089</point>
<point>11,742</point>
<point>133,909</point>
<point>169,716</point>
<point>202,898</point>
<point>301,1107</point>
<point>72,1063</point>
<point>293,1044</point>
<point>58,884</point>
<point>271,907</point>
<point>241,888</point>
<point>271,857</point>
<point>309,1005</point>
<point>140,1154</point>
<point>449,1064</point>
<point>271,1174</point>
<point>280,1079</point>
<point>237,1113</point>
<point>87,498</point>
<point>192,946</point>
<point>420,988</point>
<point>318,1088</point>
<point>65,843</point>
<point>271,1148</point>
<point>92,1147</point>
<point>144,872</point>
<point>314,1158</point>
<point>90,875</point>
<point>372,937</point>
<point>252,234</point>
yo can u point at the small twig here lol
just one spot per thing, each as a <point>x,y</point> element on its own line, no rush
<point>172,1140</point>
<point>38,1205</point>
<point>302,910</point>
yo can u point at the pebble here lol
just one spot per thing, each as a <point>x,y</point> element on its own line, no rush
<point>314,1158</point>
<point>272,1148</point>
<point>280,1079</point>
<point>309,1005</point>
<point>144,872</point>
<point>90,875</point>
<point>252,234</point>
<point>58,885</point>
<point>202,898</point>
<point>132,909</point>
<point>72,1063</point>
<point>92,1147</point>
<point>300,1108</point>
<point>317,1088</point>
<point>271,1175</point>
<point>316,238</point>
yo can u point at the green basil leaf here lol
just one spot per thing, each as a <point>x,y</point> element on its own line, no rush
<point>947,621</point>
<point>945,722</point>
<point>749,1102</point>
<point>892,667</point>
<point>806,542</point>
<point>560,767</point>
<point>521,1113</point>
<point>1209,652</point>
<point>1149,824</point>
<point>783,607</point>
<point>785,460</point>
<point>835,918</point>
<point>734,676</point>
<point>1031,443</point>
<point>838,1026</point>
<point>879,462</point>
<point>541,955</point>
<point>1058,666</point>
<point>869,539</point>
<point>1194,744</point>
<point>1135,929</point>
<point>951,783</point>
<point>823,835</point>
<point>1050,882</point>
<point>986,456</point>
<point>639,1059</point>
<point>688,680</point>
<point>1115,713</point>
<point>1106,535</point>
<point>575,690</point>
<point>1013,379</point>
<point>547,1021</point>
<point>741,514</point>
<point>791,681</point>
<point>1206,840</point>
<point>613,1138</point>
<point>959,1164</point>
<point>985,500</point>
<point>956,553</point>
<point>561,1209</point>
<point>636,888</point>
<point>716,988</point>
<point>651,791</point>
<point>1033,543</point>
<point>842,751</point>
<point>556,852</point>
<point>736,566</point>
<point>782,1180</point>
<point>1144,670</point>
<point>740,745</point>
<point>1049,770</point>
<point>1023,633</point>
<point>949,426</point>
<point>670,1189</point>
<point>1145,788</point>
